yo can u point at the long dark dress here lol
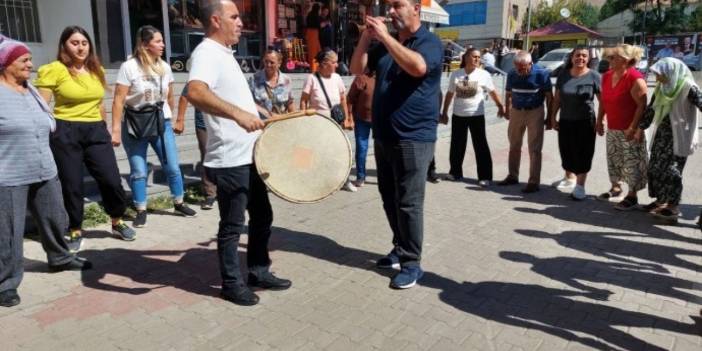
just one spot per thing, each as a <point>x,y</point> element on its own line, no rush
<point>665,168</point>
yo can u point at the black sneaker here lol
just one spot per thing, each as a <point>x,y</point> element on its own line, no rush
<point>74,240</point>
<point>140,219</point>
<point>433,178</point>
<point>9,298</point>
<point>268,281</point>
<point>184,210</point>
<point>122,230</point>
<point>242,296</point>
<point>208,204</point>
<point>77,264</point>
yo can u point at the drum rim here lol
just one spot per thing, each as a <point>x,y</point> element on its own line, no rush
<point>297,201</point>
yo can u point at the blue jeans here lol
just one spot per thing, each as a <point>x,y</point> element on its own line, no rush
<point>402,172</point>
<point>136,151</point>
<point>361,132</point>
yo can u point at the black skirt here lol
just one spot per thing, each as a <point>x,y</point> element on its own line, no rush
<point>576,142</point>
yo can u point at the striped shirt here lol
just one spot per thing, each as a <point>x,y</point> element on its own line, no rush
<point>25,126</point>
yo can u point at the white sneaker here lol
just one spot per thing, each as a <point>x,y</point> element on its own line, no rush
<point>484,183</point>
<point>564,183</point>
<point>578,192</point>
<point>348,186</point>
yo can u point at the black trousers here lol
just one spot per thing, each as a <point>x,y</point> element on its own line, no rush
<point>74,144</point>
<point>459,140</point>
<point>402,168</point>
<point>241,189</point>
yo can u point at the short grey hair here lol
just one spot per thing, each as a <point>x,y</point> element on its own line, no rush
<point>522,57</point>
<point>209,8</point>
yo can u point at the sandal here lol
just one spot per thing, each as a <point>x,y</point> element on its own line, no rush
<point>667,215</point>
<point>611,193</point>
<point>629,203</point>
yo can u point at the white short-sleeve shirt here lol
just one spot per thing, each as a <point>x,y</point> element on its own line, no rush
<point>334,86</point>
<point>465,104</point>
<point>228,145</point>
<point>145,89</point>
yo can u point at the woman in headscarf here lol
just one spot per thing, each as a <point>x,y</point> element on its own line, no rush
<point>29,179</point>
<point>672,115</point>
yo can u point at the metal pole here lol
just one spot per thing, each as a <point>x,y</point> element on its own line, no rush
<point>526,40</point>
<point>643,29</point>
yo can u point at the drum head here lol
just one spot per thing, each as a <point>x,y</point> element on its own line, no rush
<point>305,159</point>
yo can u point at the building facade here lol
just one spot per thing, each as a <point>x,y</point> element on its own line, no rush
<point>113,24</point>
<point>480,22</point>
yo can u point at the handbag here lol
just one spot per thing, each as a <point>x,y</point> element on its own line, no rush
<point>147,122</point>
<point>337,113</point>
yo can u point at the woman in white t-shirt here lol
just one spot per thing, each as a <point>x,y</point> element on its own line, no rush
<point>469,86</point>
<point>143,80</point>
<point>315,95</point>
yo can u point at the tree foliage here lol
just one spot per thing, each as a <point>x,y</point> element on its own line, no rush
<point>613,7</point>
<point>658,18</point>
<point>581,13</point>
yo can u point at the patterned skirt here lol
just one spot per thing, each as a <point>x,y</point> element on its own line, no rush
<point>665,170</point>
<point>627,161</point>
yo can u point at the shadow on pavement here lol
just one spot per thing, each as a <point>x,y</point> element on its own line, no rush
<point>193,270</point>
<point>572,271</point>
<point>612,246</point>
<point>522,305</point>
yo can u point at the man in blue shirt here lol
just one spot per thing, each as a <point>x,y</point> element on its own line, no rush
<point>405,116</point>
<point>527,87</point>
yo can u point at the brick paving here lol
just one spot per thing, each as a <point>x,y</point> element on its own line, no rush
<point>504,271</point>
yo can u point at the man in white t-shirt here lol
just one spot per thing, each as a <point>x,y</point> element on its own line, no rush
<point>217,86</point>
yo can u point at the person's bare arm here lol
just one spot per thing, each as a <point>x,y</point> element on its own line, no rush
<point>359,60</point>
<point>180,117</point>
<point>304,101</point>
<point>549,101</point>
<point>638,93</point>
<point>46,94</point>
<point>599,124</point>
<point>348,120</point>
<point>447,102</point>
<point>553,111</point>
<point>508,104</point>
<point>117,110</point>
<point>200,95</point>
<point>498,102</point>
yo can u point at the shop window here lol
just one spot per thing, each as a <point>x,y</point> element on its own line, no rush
<point>467,13</point>
<point>19,20</point>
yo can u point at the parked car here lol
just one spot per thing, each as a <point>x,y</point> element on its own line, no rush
<point>694,62</point>
<point>554,60</point>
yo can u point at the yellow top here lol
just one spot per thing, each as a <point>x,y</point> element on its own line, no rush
<point>77,98</point>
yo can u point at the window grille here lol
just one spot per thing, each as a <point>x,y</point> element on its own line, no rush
<point>19,20</point>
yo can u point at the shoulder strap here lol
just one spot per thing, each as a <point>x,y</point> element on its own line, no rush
<point>323,89</point>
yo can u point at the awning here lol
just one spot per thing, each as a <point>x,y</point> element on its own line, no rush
<point>433,13</point>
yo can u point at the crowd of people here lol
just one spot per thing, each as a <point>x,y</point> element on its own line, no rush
<point>396,94</point>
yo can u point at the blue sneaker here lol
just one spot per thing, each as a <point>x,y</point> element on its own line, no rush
<point>407,277</point>
<point>390,261</point>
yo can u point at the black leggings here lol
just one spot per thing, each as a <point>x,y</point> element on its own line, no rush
<point>74,144</point>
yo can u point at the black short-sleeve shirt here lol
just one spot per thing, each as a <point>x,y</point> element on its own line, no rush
<point>406,107</point>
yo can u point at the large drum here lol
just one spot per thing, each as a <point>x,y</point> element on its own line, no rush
<point>303,159</point>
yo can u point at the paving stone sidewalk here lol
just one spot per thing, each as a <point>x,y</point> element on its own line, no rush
<point>505,271</point>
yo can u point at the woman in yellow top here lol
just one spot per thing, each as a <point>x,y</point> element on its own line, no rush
<point>76,80</point>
